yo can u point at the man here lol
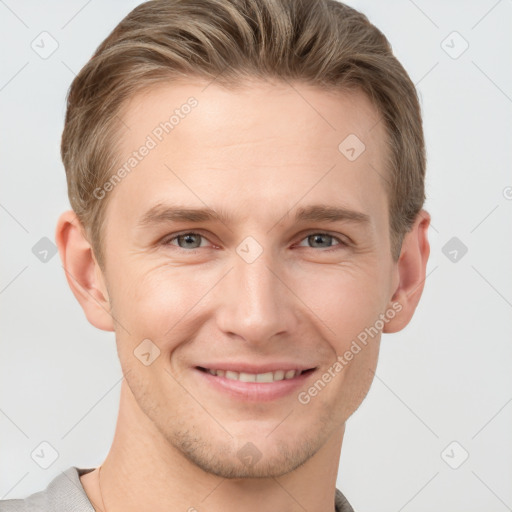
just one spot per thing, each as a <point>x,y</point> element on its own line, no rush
<point>247,183</point>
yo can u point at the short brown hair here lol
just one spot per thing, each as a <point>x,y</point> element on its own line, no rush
<point>323,43</point>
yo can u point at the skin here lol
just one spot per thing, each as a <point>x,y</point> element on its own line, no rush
<point>258,154</point>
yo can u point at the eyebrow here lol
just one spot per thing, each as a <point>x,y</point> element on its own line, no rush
<point>160,214</point>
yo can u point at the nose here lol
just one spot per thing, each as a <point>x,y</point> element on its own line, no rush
<point>256,303</point>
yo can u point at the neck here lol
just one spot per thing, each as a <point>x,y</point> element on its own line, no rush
<point>143,471</point>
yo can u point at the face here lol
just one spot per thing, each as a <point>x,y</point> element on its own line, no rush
<point>245,241</point>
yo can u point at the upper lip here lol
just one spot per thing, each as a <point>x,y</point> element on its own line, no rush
<point>255,368</point>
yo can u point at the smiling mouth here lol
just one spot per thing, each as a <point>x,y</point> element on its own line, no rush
<point>266,377</point>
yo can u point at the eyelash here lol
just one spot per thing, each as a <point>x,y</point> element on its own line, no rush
<point>341,244</point>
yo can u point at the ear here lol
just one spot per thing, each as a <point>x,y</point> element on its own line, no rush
<point>83,273</point>
<point>411,268</point>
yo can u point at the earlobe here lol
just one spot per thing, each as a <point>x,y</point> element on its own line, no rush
<point>412,266</point>
<point>82,271</point>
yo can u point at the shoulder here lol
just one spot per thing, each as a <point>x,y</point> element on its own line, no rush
<point>341,503</point>
<point>64,493</point>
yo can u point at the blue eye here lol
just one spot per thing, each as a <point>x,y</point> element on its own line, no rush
<point>190,240</point>
<point>316,238</point>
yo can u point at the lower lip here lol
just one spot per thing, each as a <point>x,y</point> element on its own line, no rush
<point>255,391</point>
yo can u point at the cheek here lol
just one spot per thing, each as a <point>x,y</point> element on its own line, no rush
<point>345,303</point>
<point>346,300</point>
<point>157,302</point>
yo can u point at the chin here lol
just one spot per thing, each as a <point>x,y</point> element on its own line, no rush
<point>259,456</point>
<point>251,463</point>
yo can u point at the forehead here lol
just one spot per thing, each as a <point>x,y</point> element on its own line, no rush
<point>252,112</point>
<point>262,143</point>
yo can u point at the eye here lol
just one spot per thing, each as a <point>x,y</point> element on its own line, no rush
<point>187,241</point>
<point>191,240</point>
<point>323,241</point>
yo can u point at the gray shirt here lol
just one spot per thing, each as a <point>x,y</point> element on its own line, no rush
<point>65,493</point>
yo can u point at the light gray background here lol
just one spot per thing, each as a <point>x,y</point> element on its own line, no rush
<point>447,377</point>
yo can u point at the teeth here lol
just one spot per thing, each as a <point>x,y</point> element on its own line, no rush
<point>256,377</point>
<point>247,377</point>
<point>279,375</point>
<point>264,377</point>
